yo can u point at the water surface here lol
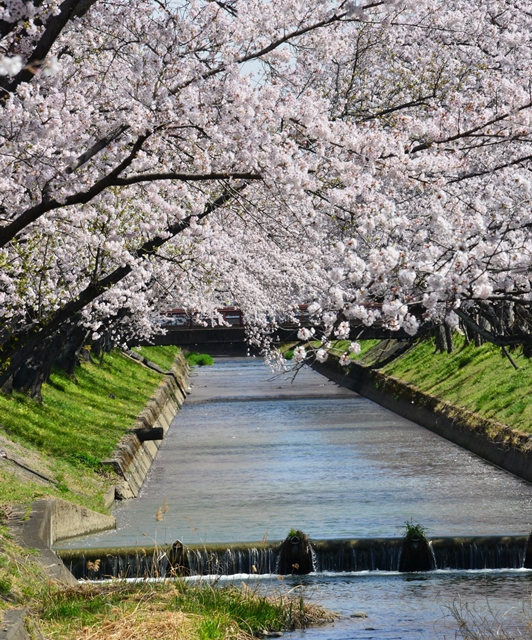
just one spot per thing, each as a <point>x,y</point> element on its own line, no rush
<point>251,455</point>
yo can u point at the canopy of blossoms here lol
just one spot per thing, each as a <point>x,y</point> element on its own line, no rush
<point>371,159</point>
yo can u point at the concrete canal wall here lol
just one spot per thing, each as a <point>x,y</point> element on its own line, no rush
<point>496,443</point>
<point>136,451</point>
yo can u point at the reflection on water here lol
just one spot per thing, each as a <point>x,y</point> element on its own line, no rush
<point>251,456</point>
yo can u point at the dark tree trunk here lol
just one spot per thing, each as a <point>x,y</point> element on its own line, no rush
<point>448,339</point>
<point>61,349</point>
<point>441,340</point>
<point>479,340</point>
<point>69,356</point>
<point>103,345</point>
<point>36,368</point>
<point>468,334</point>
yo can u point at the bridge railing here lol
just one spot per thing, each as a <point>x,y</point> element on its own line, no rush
<point>181,318</point>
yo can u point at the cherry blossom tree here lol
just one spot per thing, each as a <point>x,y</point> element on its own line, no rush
<point>371,158</point>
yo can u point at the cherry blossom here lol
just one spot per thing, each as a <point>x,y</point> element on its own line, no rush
<point>369,159</point>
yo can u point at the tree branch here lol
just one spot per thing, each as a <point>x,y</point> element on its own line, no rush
<point>32,214</point>
<point>274,45</point>
<point>491,170</point>
<point>29,216</point>
<point>500,341</point>
<point>54,26</point>
<point>187,177</point>
<point>469,132</point>
<point>98,146</point>
<point>17,347</point>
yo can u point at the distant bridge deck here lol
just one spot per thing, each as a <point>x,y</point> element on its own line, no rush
<point>192,334</point>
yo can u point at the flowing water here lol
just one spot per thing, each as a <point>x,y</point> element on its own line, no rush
<point>251,455</point>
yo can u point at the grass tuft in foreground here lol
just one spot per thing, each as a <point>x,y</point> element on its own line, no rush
<point>171,611</point>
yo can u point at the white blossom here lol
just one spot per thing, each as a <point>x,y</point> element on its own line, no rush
<point>305,333</point>
<point>10,66</point>
<point>354,347</point>
<point>299,354</point>
<point>344,360</point>
<point>342,330</point>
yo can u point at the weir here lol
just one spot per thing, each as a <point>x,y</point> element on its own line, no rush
<point>336,556</point>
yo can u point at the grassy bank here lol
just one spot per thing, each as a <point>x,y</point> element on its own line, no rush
<point>479,379</point>
<point>163,356</point>
<point>77,425</point>
<point>170,610</point>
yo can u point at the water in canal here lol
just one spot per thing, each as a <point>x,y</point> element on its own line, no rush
<point>251,455</point>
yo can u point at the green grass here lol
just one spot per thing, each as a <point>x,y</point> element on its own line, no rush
<point>77,425</point>
<point>21,578</point>
<point>201,359</point>
<point>81,419</point>
<point>221,608</point>
<point>480,379</point>
<point>13,490</point>
<point>174,609</point>
<point>163,356</point>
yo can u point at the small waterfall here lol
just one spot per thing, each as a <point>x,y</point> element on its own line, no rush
<point>431,549</point>
<point>486,552</point>
<point>248,560</point>
<point>362,554</point>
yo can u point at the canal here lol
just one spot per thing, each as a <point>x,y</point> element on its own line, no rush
<point>253,454</point>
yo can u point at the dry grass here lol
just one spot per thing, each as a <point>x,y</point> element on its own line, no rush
<point>171,610</point>
<point>141,624</point>
<point>490,624</point>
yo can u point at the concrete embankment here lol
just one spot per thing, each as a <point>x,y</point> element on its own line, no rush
<point>136,452</point>
<point>496,443</point>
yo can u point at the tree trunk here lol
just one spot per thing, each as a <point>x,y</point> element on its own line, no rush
<point>439,334</point>
<point>69,356</point>
<point>448,338</point>
<point>62,349</point>
<point>103,345</point>
<point>36,368</point>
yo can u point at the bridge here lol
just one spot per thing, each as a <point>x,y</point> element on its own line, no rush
<point>194,333</point>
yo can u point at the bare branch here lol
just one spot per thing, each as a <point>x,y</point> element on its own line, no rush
<point>469,132</point>
<point>98,146</point>
<point>187,177</point>
<point>491,170</point>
